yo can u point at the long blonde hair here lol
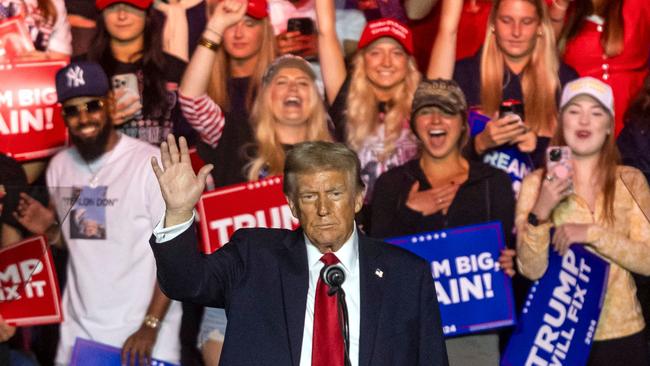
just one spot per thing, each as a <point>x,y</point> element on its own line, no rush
<point>362,116</point>
<point>270,153</point>
<point>218,87</point>
<point>540,81</point>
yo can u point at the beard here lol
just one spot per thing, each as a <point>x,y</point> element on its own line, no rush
<point>92,148</point>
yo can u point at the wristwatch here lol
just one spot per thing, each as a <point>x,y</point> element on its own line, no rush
<point>533,220</point>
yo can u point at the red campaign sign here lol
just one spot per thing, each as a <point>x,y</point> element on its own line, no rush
<point>31,125</point>
<point>29,289</point>
<point>252,204</point>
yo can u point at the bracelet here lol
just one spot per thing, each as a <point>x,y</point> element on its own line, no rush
<point>151,321</point>
<point>214,32</point>
<point>555,3</point>
<point>212,46</point>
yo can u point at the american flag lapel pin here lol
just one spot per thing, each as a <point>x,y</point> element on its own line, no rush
<point>379,273</point>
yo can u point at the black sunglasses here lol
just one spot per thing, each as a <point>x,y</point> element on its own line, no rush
<point>92,106</point>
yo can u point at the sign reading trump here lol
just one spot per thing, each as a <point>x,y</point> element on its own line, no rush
<point>29,291</point>
<point>559,319</point>
<point>31,125</point>
<point>473,292</point>
<point>253,204</point>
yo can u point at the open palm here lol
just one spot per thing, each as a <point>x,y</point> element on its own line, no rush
<point>180,187</point>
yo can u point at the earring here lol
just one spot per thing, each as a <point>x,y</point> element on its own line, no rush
<point>540,33</point>
<point>492,28</point>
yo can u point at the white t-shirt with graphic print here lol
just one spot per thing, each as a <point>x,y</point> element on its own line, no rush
<point>108,210</point>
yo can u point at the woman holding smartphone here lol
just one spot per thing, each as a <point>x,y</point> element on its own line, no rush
<point>128,46</point>
<point>518,61</point>
<point>600,205</point>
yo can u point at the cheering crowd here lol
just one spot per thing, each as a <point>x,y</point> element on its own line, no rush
<point>403,84</point>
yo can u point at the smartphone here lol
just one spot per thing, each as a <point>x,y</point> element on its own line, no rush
<point>558,161</point>
<point>511,106</point>
<point>128,82</point>
<point>303,25</point>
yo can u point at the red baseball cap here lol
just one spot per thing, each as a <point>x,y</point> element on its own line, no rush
<point>386,27</point>
<point>140,4</point>
<point>257,9</point>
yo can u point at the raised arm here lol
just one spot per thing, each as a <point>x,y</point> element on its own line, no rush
<point>443,53</point>
<point>197,75</point>
<point>330,54</point>
<point>180,187</point>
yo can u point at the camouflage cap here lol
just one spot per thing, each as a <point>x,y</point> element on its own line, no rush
<point>441,93</point>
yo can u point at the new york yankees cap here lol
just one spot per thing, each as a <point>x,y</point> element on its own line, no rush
<point>81,79</point>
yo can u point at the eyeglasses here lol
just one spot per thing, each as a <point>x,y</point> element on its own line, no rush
<point>92,106</point>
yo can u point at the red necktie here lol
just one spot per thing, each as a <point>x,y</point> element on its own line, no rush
<point>327,343</point>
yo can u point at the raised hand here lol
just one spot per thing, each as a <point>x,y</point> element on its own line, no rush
<point>180,187</point>
<point>432,200</point>
<point>297,44</point>
<point>226,14</point>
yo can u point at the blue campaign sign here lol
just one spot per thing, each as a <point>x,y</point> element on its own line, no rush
<point>559,320</point>
<point>507,158</point>
<point>89,353</point>
<point>473,293</point>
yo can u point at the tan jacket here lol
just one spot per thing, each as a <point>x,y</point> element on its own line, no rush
<point>626,245</point>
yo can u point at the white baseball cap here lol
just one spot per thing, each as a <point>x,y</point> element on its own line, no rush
<point>592,87</point>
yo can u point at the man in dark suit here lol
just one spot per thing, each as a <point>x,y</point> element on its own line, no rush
<point>269,280</point>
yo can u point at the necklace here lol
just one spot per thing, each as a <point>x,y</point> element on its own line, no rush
<point>94,179</point>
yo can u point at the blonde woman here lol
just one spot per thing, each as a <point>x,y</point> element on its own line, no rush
<point>288,110</point>
<point>601,206</point>
<point>518,61</point>
<point>371,106</point>
<point>221,81</point>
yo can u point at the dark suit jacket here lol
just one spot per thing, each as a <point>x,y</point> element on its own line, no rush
<point>261,278</point>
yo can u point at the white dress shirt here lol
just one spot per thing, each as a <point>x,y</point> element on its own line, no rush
<point>348,255</point>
